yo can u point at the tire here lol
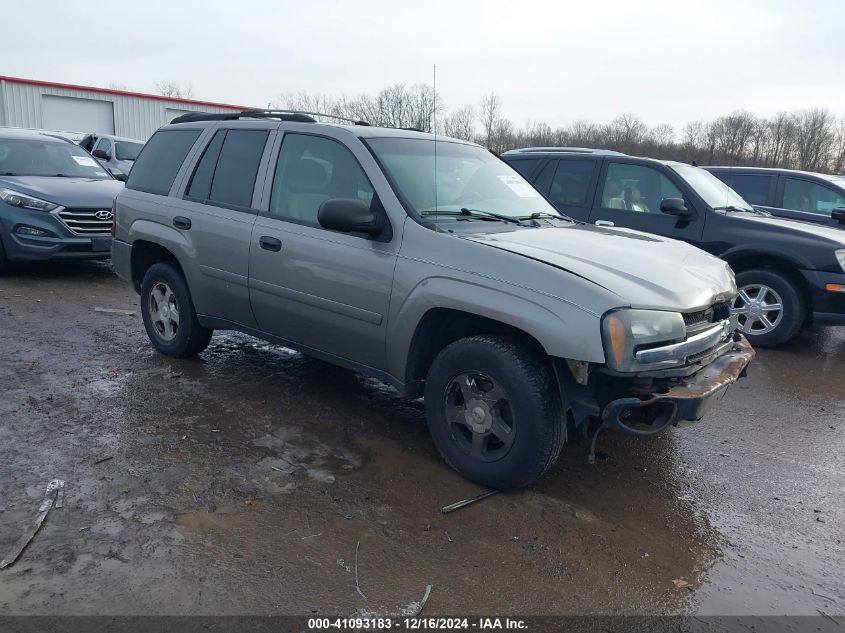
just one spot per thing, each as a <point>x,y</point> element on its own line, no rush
<point>164,295</point>
<point>760,289</point>
<point>4,262</point>
<point>494,388</point>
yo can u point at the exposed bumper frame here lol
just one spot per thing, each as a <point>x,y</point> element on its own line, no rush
<point>688,400</point>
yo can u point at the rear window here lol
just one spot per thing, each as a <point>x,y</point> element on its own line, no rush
<point>159,162</point>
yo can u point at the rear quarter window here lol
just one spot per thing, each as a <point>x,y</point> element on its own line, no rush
<point>160,160</point>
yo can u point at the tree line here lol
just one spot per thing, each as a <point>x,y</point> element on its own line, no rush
<point>812,139</point>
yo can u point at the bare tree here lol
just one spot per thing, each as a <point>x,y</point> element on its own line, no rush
<point>490,116</point>
<point>815,134</point>
<point>174,89</point>
<point>460,123</point>
<point>810,139</point>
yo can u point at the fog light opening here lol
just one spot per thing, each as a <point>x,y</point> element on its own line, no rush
<point>30,231</point>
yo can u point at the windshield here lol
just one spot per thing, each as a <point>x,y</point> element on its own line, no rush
<point>34,157</point>
<point>839,181</point>
<point>124,150</point>
<point>712,190</point>
<point>466,177</point>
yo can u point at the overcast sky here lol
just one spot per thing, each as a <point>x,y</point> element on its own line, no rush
<point>549,61</point>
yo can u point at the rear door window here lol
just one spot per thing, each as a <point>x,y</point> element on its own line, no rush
<point>754,188</point>
<point>204,172</point>
<point>160,160</point>
<point>226,173</point>
<point>811,197</point>
<point>571,183</point>
<point>524,166</point>
<point>104,144</point>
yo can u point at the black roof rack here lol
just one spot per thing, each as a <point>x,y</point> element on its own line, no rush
<point>283,115</point>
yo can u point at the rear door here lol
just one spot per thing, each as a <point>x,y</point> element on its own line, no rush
<point>322,290</point>
<point>571,185</point>
<point>629,195</point>
<point>216,214</point>
<point>755,188</point>
<point>809,200</point>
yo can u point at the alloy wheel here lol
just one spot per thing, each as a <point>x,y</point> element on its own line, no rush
<point>759,309</point>
<point>479,416</point>
<point>163,311</point>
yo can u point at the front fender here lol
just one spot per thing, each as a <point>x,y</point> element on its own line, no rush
<point>562,329</point>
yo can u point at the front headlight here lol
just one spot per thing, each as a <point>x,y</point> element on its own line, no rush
<point>17,199</point>
<point>626,331</point>
<point>840,256</point>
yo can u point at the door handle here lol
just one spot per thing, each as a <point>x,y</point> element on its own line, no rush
<point>181,223</point>
<point>270,243</point>
<point>604,223</point>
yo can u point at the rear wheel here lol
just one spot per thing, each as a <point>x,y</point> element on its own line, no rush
<point>493,411</point>
<point>768,307</point>
<point>4,262</point>
<point>169,315</point>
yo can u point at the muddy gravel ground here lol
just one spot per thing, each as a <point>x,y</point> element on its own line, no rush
<point>248,480</point>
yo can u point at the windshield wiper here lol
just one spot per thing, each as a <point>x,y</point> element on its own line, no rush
<point>539,215</point>
<point>476,213</point>
<point>735,209</point>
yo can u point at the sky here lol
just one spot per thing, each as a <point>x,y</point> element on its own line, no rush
<point>666,62</point>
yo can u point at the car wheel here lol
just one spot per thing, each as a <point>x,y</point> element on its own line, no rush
<point>169,315</point>
<point>768,307</point>
<point>493,411</point>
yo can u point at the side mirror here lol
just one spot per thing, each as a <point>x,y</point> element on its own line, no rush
<point>838,214</point>
<point>101,153</point>
<point>118,175</point>
<point>675,206</point>
<point>349,215</point>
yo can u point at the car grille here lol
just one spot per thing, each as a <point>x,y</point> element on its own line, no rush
<point>701,320</point>
<point>85,222</point>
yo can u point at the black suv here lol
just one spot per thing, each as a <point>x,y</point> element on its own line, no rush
<point>788,193</point>
<point>790,274</point>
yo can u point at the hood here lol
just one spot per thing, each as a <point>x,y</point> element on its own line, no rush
<point>807,230</point>
<point>67,192</point>
<point>644,270</point>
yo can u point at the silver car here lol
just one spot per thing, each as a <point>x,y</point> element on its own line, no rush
<point>432,265</point>
<point>115,153</point>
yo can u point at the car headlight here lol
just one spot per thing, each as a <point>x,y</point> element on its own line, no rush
<point>840,256</point>
<point>17,199</point>
<point>627,331</point>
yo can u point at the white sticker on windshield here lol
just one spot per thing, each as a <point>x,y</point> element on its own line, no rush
<point>520,187</point>
<point>85,160</point>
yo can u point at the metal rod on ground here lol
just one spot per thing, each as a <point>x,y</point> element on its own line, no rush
<point>57,486</point>
<point>357,586</point>
<point>466,502</point>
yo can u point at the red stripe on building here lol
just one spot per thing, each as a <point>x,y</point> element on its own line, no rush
<point>125,93</point>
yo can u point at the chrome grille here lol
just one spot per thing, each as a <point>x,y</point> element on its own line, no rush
<point>85,222</point>
<point>701,320</point>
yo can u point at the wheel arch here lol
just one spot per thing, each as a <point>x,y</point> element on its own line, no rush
<point>741,261</point>
<point>440,327</point>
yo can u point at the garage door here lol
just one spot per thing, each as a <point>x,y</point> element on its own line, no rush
<point>71,114</point>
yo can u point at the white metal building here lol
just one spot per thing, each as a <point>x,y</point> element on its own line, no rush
<point>45,105</point>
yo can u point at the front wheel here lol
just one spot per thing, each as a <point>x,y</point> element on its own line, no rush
<point>493,411</point>
<point>169,315</point>
<point>768,307</point>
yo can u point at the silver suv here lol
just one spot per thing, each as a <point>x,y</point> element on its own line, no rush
<point>432,265</point>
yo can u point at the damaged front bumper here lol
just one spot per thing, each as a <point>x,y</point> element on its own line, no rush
<point>687,399</point>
